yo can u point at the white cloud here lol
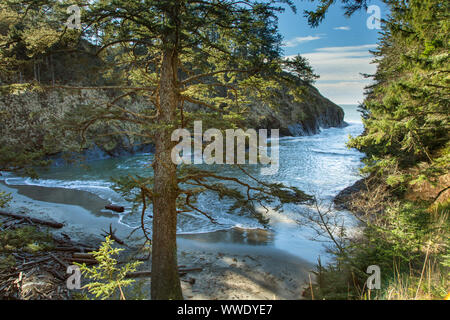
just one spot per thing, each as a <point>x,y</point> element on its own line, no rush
<point>345,28</point>
<point>343,92</point>
<point>363,47</point>
<point>342,63</point>
<point>298,40</point>
<point>339,69</point>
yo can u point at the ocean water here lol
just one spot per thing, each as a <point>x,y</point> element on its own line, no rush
<point>321,165</point>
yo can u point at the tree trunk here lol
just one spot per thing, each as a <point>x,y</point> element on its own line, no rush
<point>165,278</point>
<point>52,70</point>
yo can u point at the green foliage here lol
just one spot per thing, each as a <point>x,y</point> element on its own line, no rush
<point>403,241</point>
<point>4,199</point>
<point>300,67</point>
<point>27,238</point>
<point>406,141</point>
<point>408,107</point>
<point>108,279</point>
<point>315,17</point>
<point>7,261</point>
<point>35,46</point>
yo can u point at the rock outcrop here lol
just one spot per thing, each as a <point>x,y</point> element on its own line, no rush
<point>343,199</point>
<point>28,117</point>
<point>295,118</point>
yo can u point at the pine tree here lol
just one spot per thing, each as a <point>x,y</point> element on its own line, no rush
<point>175,53</point>
<point>409,102</point>
<point>189,60</point>
<point>407,108</point>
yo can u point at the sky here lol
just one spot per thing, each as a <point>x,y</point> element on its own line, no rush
<point>338,49</point>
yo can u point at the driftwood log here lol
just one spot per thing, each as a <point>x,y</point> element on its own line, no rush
<point>74,249</point>
<point>61,262</point>
<point>115,208</point>
<point>52,224</point>
<point>83,255</point>
<point>86,261</point>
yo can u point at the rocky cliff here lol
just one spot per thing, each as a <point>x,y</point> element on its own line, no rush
<point>298,118</point>
<point>27,119</point>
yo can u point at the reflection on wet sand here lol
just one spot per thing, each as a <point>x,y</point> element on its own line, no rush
<point>96,205</point>
<point>84,199</point>
<point>254,237</point>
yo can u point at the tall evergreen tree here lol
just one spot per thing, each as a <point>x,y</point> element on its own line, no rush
<point>407,107</point>
<point>189,60</point>
<point>409,102</point>
<point>211,54</point>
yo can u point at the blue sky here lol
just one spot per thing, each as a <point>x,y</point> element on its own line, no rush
<point>338,49</point>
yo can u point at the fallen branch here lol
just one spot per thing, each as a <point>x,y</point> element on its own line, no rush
<point>32,263</point>
<point>52,224</point>
<point>74,249</point>
<point>56,274</point>
<point>112,234</point>
<point>61,262</point>
<point>80,260</point>
<point>139,274</point>
<point>83,255</point>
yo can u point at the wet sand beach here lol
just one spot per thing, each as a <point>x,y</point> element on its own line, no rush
<point>236,263</point>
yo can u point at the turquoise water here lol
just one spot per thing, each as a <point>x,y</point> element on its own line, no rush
<point>321,165</point>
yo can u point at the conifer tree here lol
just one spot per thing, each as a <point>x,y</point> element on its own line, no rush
<point>406,109</point>
<point>188,60</point>
<point>175,53</point>
<point>409,101</point>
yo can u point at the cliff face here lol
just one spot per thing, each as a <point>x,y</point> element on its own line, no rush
<point>29,119</point>
<point>298,118</point>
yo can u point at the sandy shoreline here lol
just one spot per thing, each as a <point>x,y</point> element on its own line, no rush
<point>237,264</point>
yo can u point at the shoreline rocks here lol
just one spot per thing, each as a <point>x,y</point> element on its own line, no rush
<point>341,201</point>
<point>298,118</point>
